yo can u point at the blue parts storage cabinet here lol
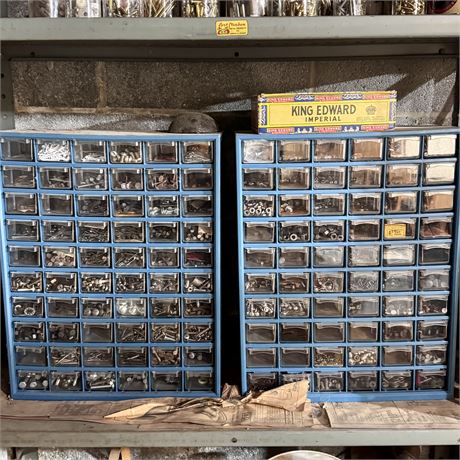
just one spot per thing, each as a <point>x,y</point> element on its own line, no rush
<point>110,264</point>
<point>348,262</point>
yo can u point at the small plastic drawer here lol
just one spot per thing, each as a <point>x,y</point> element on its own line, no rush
<point>92,206</point>
<point>363,306</point>
<point>325,282</point>
<point>430,380</point>
<point>194,232</point>
<point>167,381</point>
<point>127,179</point>
<point>367,149</point>
<point>53,150</point>
<point>259,233</point>
<point>433,305</point>
<point>364,256</point>
<point>17,149</point>
<point>293,283</point>
<point>288,377</point>
<point>65,356</point>
<point>328,177</point>
<point>26,282</point>
<point>166,356</point>
<point>258,179</point>
<point>128,232</point>
<point>398,306</point>
<point>328,308</point>
<point>259,258</point>
<point>263,283</point>
<point>293,205</point>
<point>33,380</point>
<point>399,255</point>
<point>330,150</point>
<point>198,282</point>
<point>24,256</point>
<point>22,230</point>
<point>62,308</point>
<point>94,257</point>
<point>439,173</point>
<point>400,202</point>
<point>163,206</point>
<point>66,381</point>
<point>131,308</point>
<point>162,152</point>
<point>125,152</point>
<point>198,356</point>
<point>197,152</point>
<point>98,357</point>
<point>294,332</point>
<point>329,332</point>
<point>99,381</point>
<point>196,307</point>
<point>329,381</point>
<point>363,281</point>
<point>59,256</point>
<point>258,206</point>
<point>329,357</point>
<point>19,176</point>
<point>438,201</point>
<point>365,177</point>
<point>362,381</point>
<point>165,307</point>
<point>365,203</point>
<point>435,227</point>
<point>295,357</point>
<point>97,283</point>
<point>130,284</point>
<point>57,205</point>
<point>166,332</point>
<point>293,257</point>
<point>434,280</point>
<point>162,179</point>
<point>129,257</point>
<point>30,356</point>
<point>398,356</point>
<point>262,382</point>
<point>403,148</point>
<point>362,356</point>
<point>198,257</point>
<point>440,145</point>
<point>364,230</point>
<point>56,178</point>
<point>402,175</point>
<point>398,331</point>
<point>128,206</point>
<point>328,231</point>
<point>431,355</point>
<point>294,151</point>
<point>261,357</point>
<point>293,178</point>
<point>27,306</point>
<point>198,206</point>
<point>400,380</point>
<point>328,256</point>
<point>93,232</point>
<point>133,381</point>
<point>90,179</point>
<point>294,307</point>
<point>131,332</point>
<point>261,333</point>
<point>21,203</point>
<point>260,308</point>
<point>399,229</point>
<point>431,254</point>
<point>58,231</point>
<point>167,232</point>
<point>197,179</point>
<point>164,282</point>
<point>363,332</point>
<point>89,152</point>
<point>329,205</point>
<point>96,308</point>
<point>132,357</point>
<point>194,332</point>
<point>63,332</point>
<point>258,151</point>
<point>292,232</point>
<point>433,330</point>
<point>61,282</point>
<point>199,380</point>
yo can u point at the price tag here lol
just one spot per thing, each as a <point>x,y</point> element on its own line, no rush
<point>393,231</point>
<point>232,28</point>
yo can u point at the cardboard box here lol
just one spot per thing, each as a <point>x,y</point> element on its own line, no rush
<point>293,113</point>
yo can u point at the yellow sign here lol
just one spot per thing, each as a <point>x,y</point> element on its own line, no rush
<point>232,28</point>
<point>393,231</point>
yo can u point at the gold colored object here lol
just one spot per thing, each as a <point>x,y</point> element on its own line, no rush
<point>409,7</point>
<point>159,8</point>
<point>200,8</point>
<point>299,7</point>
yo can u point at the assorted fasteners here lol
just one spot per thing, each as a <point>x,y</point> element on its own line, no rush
<point>111,264</point>
<point>346,259</point>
